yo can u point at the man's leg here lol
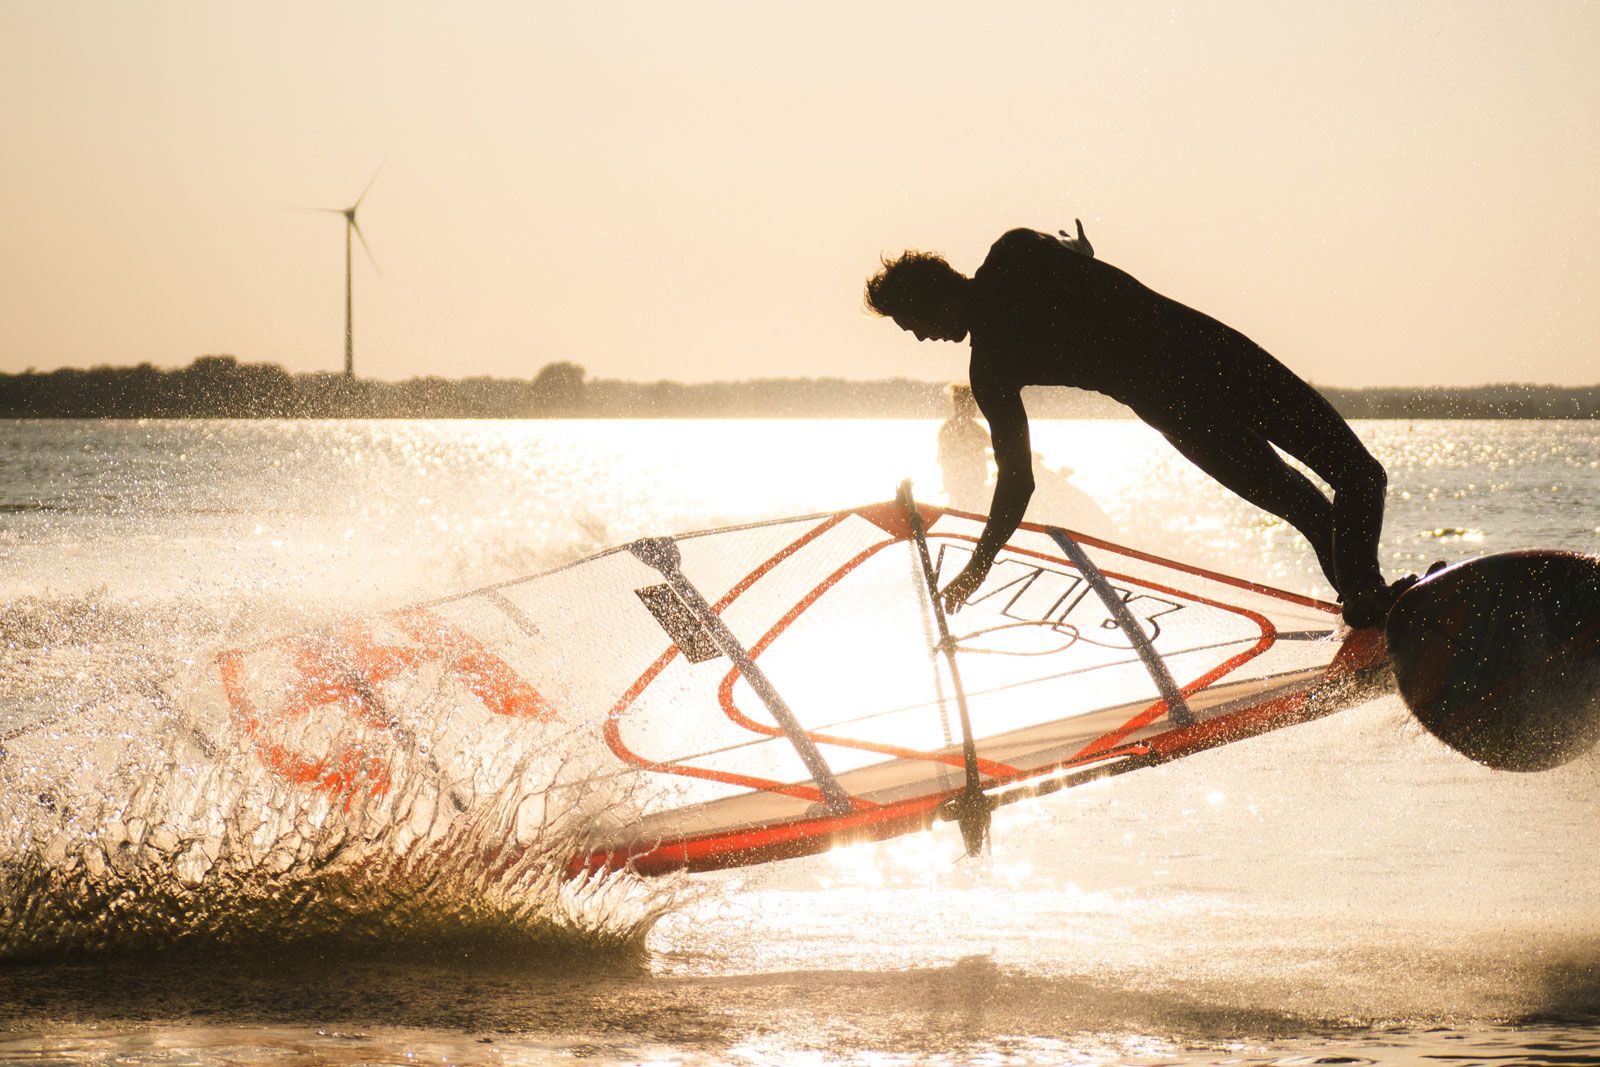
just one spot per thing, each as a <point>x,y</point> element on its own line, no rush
<point>1306,426</point>
<point>1246,463</point>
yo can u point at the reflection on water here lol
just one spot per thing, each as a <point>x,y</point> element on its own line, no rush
<point>1347,885</point>
<point>972,1010</point>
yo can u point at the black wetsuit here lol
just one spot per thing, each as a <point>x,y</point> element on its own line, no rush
<point>1042,314</point>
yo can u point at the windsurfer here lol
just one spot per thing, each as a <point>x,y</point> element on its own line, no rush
<point>964,452</point>
<point>1041,310</point>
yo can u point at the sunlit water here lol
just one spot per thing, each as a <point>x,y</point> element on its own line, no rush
<point>1341,889</point>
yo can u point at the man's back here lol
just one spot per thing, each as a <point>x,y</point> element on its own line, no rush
<point>1046,315</point>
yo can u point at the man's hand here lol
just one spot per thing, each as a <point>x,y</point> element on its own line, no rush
<point>1079,243</point>
<point>966,583</point>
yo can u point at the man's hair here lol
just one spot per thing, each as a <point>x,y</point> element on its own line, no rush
<point>912,279</point>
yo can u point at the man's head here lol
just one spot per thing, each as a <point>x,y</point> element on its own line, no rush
<point>923,295</point>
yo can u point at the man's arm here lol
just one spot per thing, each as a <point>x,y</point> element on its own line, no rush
<point>1013,456</point>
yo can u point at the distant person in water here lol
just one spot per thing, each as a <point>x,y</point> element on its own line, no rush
<point>964,462</point>
<point>964,453</point>
<point>1057,502</point>
<point>1042,310</point>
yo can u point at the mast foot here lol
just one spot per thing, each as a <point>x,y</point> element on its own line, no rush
<point>972,812</point>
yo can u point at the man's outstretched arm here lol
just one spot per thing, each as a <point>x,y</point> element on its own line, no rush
<point>1013,487</point>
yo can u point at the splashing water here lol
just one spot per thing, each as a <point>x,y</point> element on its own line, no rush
<point>134,820</point>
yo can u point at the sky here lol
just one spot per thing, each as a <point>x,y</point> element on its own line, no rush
<point>1393,193</point>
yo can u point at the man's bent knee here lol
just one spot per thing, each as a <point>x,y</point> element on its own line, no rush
<point>1364,479</point>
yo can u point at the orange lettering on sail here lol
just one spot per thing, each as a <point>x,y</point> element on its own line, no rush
<point>485,674</point>
<point>345,669</point>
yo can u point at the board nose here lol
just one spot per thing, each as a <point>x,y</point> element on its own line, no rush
<point>1499,657</point>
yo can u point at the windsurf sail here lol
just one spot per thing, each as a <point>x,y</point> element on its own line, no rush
<point>786,685</point>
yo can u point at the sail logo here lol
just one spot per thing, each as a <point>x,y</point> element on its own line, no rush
<point>1020,592</point>
<point>339,677</point>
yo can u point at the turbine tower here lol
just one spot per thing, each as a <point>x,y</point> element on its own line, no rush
<point>351,226</point>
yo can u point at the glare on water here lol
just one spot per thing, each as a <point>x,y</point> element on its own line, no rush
<point>1347,884</point>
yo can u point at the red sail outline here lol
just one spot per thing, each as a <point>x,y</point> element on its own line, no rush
<point>1362,651</point>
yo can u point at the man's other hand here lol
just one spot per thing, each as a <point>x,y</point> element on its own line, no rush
<point>965,584</point>
<point>1079,243</point>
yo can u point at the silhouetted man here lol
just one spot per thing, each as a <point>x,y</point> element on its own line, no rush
<point>1044,311</point>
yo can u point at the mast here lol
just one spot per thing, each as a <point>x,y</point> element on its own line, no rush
<point>349,305</point>
<point>970,810</point>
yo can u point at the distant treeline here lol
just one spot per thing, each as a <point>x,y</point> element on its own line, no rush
<point>223,387</point>
<point>1473,402</point>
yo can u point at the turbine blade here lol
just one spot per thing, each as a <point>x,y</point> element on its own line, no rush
<point>330,210</point>
<point>356,226</point>
<point>374,178</point>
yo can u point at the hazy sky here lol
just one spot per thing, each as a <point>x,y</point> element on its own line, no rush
<point>1385,193</point>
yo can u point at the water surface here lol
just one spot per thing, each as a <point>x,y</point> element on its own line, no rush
<point>1343,888</point>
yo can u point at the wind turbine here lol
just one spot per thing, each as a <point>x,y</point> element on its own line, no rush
<point>351,226</point>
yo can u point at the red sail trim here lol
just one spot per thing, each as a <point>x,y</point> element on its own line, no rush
<point>1362,651</point>
<point>1233,726</point>
<point>783,553</point>
<point>1159,708</point>
<point>1147,557</point>
<point>891,517</point>
<point>713,852</point>
<point>731,708</point>
<point>723,849</point>
<point>611,730</point>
